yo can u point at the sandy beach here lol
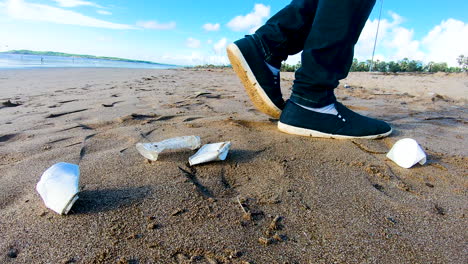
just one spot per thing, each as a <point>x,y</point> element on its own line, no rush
<point>307,200</point>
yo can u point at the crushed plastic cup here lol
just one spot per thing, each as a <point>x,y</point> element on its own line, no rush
<point>151,151</point>
<point>406,153</point>
<point>210,152</point>
<point>59,187</point>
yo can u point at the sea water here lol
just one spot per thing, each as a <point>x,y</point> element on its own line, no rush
<point>18,61</point>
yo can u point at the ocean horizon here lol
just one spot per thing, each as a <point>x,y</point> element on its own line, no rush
<point>20,61</point>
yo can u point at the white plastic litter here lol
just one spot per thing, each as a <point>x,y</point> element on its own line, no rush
<point>210,152</point>
<point>151,151</point>
<point>59,186</point>
<point>407,152</point>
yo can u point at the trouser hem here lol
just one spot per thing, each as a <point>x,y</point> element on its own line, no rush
<point>310,102</point>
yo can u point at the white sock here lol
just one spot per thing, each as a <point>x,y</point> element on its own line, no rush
<point>274,70</point>
<point>329,109</point>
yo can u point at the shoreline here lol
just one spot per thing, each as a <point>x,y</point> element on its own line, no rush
<point>49,61</point>
<point>87,67</point>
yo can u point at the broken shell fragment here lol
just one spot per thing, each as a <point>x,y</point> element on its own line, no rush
<point>58,186</point>
<point>406,153</point>
<point>210,152</point>
<point>151,151</point>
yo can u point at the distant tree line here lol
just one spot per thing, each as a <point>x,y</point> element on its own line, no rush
<point>290,68</point>
<point>404,65</point>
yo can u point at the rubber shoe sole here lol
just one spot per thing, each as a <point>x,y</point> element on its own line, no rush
<point>299,131</point>
<point>257,95</point>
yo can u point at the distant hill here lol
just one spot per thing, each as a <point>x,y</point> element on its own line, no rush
<point>61,54</point>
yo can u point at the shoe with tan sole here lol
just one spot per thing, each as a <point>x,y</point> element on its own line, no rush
<point>262,86</point>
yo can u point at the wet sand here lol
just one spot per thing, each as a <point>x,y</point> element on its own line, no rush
<point>277,198</point>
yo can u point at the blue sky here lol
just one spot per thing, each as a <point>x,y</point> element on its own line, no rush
<point>196,32</point>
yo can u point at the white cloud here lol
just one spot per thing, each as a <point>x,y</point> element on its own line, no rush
<point>74,3</point>
<point>19,9</point>
<point>193,43</point>
<point>216,55</point>
<point>403,45</point>
<point>156,25</point>
<point>105,39</point>
<point>211,27</point>
<point>194,58</point>
<point>252,21</point>
<point>104,12</point>
<point>220,46</point>
<point>294,59</point>
<point>444,43</point>
<point>210,41</point>
<point>363,49</point>
<point>387,35</point>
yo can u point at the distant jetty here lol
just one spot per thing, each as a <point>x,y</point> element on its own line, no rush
<point>62,54</point>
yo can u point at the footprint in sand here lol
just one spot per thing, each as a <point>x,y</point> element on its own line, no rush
<point>8,137</point>
<point>68,101</point>
<point>65,113</point>
<point>85,127</point>
<point>111,104</point>
<point>191,119</point>
<point>143,118</point>
<point>10,103</point>
<point>83,148</point>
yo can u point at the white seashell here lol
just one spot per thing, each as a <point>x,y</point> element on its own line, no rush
<point>407,152</point>
<point>210,152</point>
<point>151,151</point>
<point>58,186</point>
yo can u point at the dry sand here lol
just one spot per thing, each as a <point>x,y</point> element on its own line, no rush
<point>307,200</point>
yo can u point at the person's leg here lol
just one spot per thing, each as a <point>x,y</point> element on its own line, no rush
<point>285,32</point>
<point>329,50</point>
<point>255,57</point>
<point>327,56</point>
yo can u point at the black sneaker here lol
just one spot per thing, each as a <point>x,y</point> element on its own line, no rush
<point>347,124</point>
<point>263,88</point>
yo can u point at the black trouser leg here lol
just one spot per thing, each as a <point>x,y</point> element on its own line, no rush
<point>327,43</point>
<point>286,32</point>
<point>329,50</point>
